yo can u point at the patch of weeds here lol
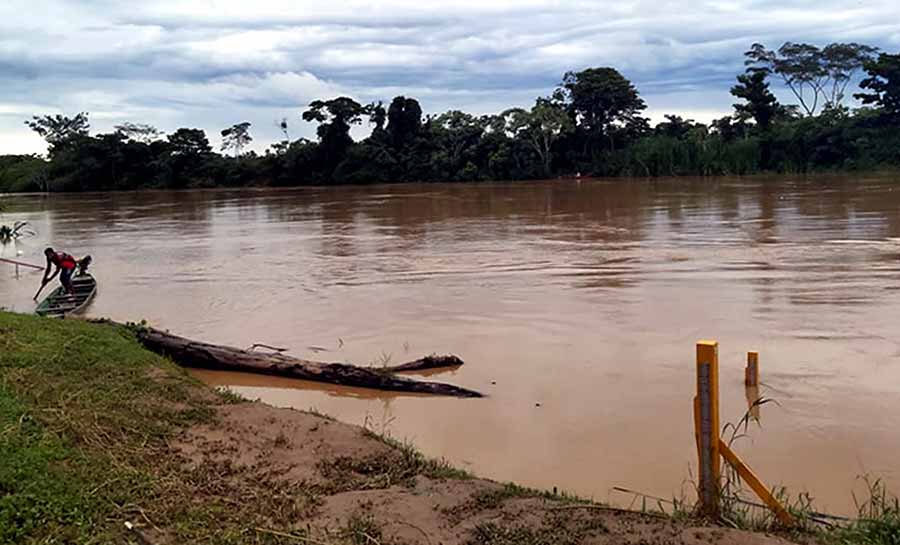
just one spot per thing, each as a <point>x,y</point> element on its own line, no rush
<point>362,529</point>
<point>493,498</point>
<point>879,519</point>
<point>230,397</point>
<point>489,499</point>
<point>397,467</point>
<point>377,471</point>
<point>557,529</point>
<point>383,360</point>
<point>431,468</point>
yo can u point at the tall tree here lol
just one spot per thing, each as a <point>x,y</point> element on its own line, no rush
<point>341,112</point>
<point>843,61</point>
<point>675,126</point>
<point>884,84</point>
<point>540,127</point>
<point>760,103</point>
<point>404,117</point>
<point>335,117</point>
<point>729,128</point>
<point>815,76</point>
<point>236,138</point>
<point>138,132</point>
<point>599,97</point>
<point>457,133</point>
<point>801,67</point>
<point>377,115</point>
<point>189,142</point>
<point>58,130</point>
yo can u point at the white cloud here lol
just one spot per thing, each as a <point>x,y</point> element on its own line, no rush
<point>210,63</point>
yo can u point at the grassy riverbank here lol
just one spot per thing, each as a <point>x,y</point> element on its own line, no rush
<point>96,432</point>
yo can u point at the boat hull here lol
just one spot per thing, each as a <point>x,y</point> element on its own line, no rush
<point>59,305</point>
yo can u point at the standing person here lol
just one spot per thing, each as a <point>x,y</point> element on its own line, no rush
<point>65,266</point>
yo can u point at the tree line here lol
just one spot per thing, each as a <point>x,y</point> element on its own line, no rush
<point>591,124</point>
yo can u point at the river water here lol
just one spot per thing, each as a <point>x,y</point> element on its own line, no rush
<point>576,306</point>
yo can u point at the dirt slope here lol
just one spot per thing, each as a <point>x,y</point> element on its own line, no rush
<point>359,488</point>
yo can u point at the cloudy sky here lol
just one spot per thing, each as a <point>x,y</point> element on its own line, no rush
<point>212,63</point>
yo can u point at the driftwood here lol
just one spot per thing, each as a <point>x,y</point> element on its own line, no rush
<point>190,353</point>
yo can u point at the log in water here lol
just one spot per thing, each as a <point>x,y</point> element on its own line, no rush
<point>191,353</point>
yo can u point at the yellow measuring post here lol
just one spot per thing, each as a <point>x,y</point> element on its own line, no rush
<point>756,484</point>
<point>707,409</point>
<point>697,423</point>
<point>751,373</point>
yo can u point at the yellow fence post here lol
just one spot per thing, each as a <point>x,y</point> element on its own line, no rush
<point>707,420</point>
<point>751,374</point>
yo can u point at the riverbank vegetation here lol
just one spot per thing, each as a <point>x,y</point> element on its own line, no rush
<point>592,125</point>
<point>102,441</point>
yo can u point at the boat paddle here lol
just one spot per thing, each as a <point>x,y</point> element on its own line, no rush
<point>40,289</point>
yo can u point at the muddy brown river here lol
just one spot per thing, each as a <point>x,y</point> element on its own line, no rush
<point>576,306</point>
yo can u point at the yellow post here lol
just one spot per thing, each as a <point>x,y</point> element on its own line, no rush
<point>751,373</point>
<point>707,408</point>
<point>784,517</point>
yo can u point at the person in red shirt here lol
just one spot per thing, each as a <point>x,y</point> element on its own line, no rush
<point>65,266</point>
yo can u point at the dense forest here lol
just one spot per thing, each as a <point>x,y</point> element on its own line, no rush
<point>590,125</point>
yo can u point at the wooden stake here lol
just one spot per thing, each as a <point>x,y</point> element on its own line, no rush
<point>708,410</point>
<point>751,373</point>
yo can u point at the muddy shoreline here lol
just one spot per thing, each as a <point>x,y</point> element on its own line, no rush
<point>354,474</point>
<point>104,441</point>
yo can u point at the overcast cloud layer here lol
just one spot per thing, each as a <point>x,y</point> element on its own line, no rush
<point>212,63</point>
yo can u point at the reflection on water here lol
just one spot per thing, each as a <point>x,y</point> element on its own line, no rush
<point>754,402</point>
<point>576,306</point>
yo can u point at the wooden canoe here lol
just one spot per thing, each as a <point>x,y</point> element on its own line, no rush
<point>59,305</point>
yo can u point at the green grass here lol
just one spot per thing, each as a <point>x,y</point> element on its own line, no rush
<point>38,496</point>
<point>81,417</point>
<point>86,418</point>
<point>878,522</point>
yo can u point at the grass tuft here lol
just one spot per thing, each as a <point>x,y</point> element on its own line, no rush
<point>556,529</point>
<point>412,458</point>
<point>879,519</point>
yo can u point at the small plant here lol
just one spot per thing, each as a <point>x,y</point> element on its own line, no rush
<point>230,397</point>
<point>362,529</point>
<point>382,428</point>
<point>383,360</point>
<point>17,231</point>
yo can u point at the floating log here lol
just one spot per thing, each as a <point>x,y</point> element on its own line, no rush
<point>190,353</point>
